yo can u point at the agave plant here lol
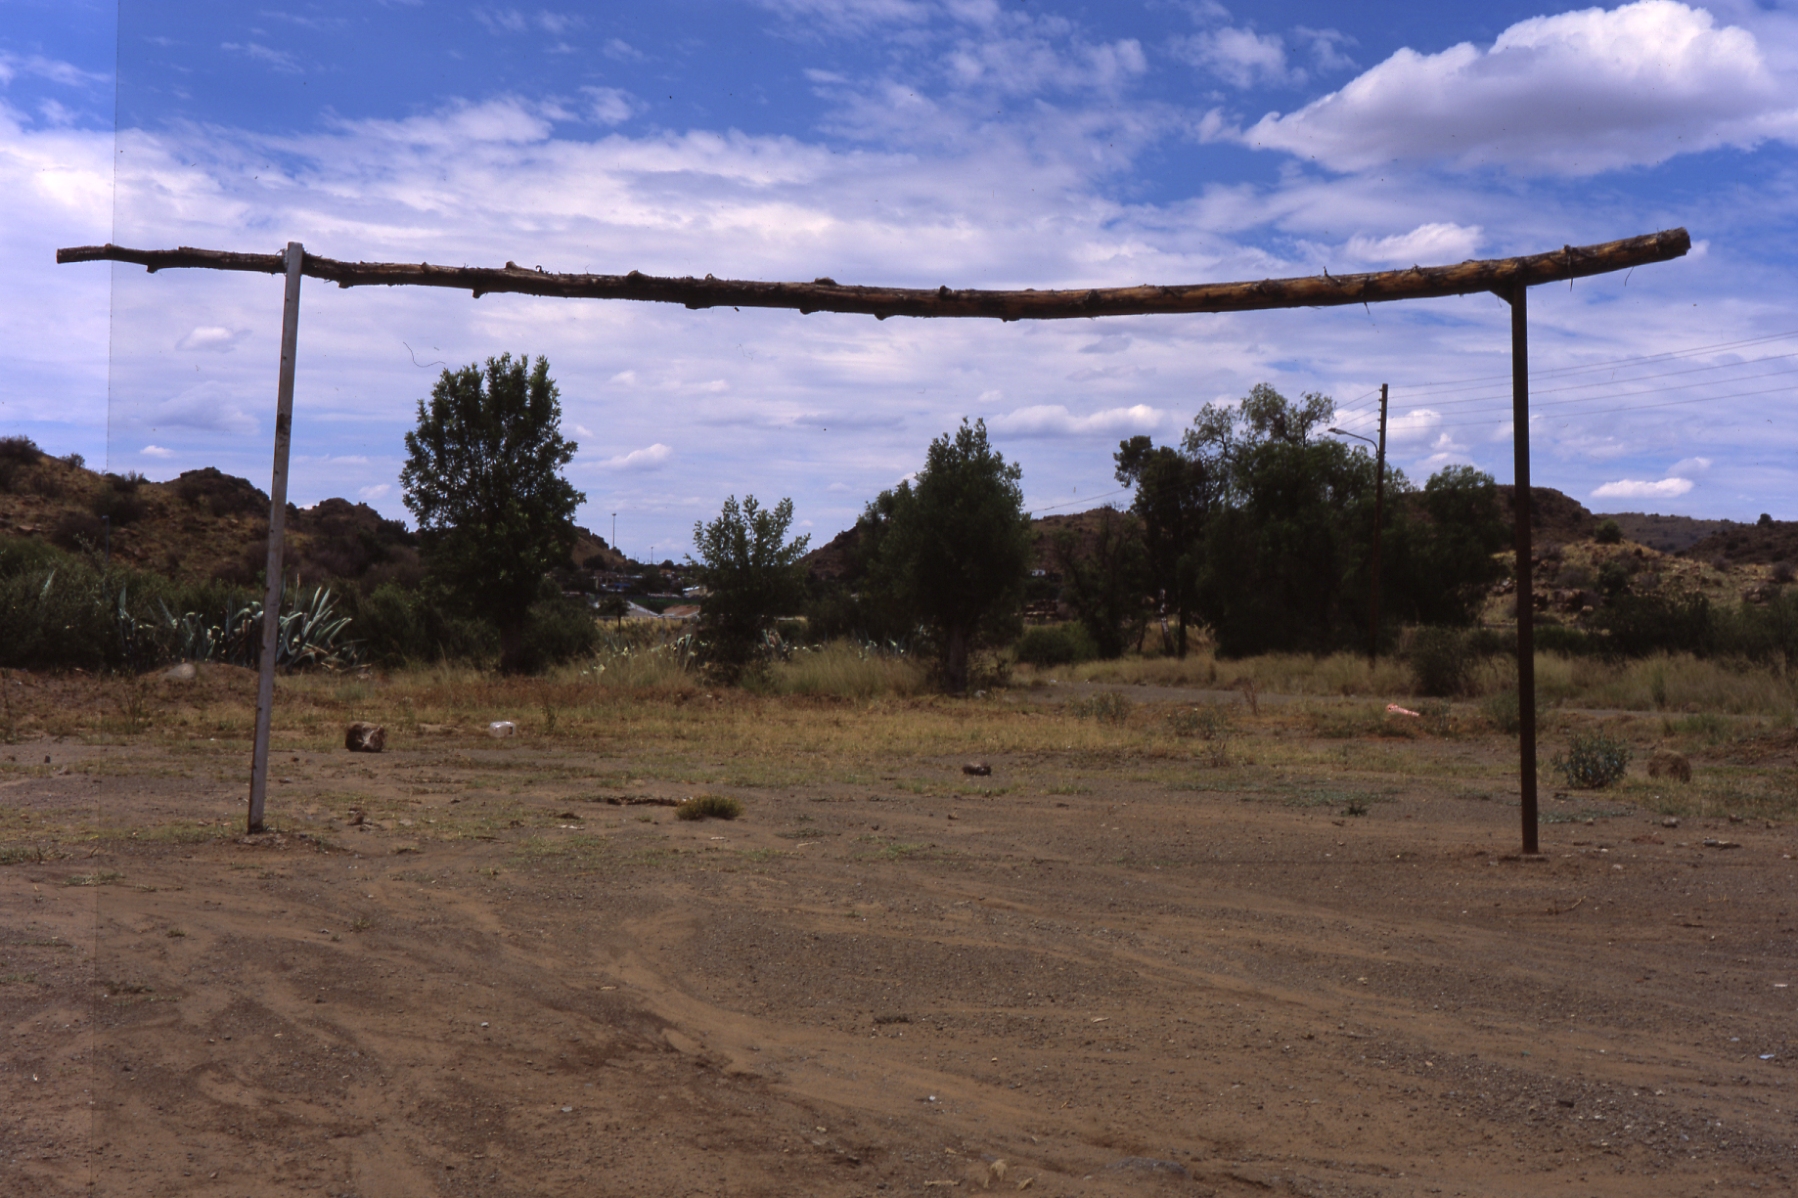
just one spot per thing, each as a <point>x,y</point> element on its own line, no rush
<point>306,637</point>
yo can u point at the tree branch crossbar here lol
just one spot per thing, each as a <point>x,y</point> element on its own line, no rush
<point>1502,275</point>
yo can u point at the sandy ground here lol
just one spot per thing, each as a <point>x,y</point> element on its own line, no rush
<point>1082,982</point>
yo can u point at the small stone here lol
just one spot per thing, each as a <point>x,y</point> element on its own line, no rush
<point>185,672</point>
<point>977,769</point>
<point>1670,822</point>
<point>364,738</point>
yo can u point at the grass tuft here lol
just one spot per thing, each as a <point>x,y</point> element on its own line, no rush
<point>709,807</point>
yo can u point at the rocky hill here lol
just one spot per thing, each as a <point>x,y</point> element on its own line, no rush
<point>205,524</point>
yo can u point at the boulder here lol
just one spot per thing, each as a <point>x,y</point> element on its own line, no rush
<point>364,738</point>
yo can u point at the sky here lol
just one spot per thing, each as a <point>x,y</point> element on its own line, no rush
<point>973,143</point>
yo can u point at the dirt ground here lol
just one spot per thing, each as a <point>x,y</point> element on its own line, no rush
<point>1095,972</point>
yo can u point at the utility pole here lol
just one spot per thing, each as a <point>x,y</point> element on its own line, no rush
<point>1379,503</point>
<point>1526,604</point>
<point>277,520</point>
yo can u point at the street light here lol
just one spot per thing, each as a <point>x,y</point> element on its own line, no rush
<point>1343,432</point>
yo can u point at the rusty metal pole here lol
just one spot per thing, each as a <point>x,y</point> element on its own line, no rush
<point>277,527</point>
<point>1526,606</point>
<point>1379,503</point>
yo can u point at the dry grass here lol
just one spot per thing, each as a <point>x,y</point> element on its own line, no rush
<point>1283,673</point>
<point>845,670</point>
<point>833,718</point>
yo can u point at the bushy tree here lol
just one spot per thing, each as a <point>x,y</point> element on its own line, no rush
<point>1443,541</point>
<point>483,477</point>
<point>1285,553</point>
<point>952,546</point>
<point>751,574</point>
<point>1174,493</point>
<point>1105,580</point>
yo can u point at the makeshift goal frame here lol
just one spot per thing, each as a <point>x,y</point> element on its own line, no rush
<point>1509,278</point>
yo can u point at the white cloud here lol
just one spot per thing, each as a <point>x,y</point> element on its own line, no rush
<point>1689,466</point>
<point>53,69</point>
<point>210,406</point>
<point>375,493</point>
<point>1630,488</point>
<point>610,105</point>
<point>1436,242</point>
<point>1324,47</point>
<point>280,60</point>
<point>156,451</point>
<point>647,458</point>
<point>1575,93</point>
<point>1054,420</point>
<point>1240,57</point>
<point>854,17</point>
<point>211,337</point>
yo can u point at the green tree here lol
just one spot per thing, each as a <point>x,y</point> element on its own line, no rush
<point>952,546</point>
<point>483,477</point>
<point>1444,540</point>
<point>752,575</point>
<point>1105,580</point>
<point>1286,554</point>
<point>1174,492</point>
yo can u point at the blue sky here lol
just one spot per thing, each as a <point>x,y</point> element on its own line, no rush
<point>917,142</point>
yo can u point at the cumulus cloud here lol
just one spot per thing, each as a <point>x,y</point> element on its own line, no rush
<point>375,493</point>
<point>1240,57</point>
<point>156,451</point>
<point>210,407</point>
<point>1437,242</point>
<point>647,458</point>
<point>1054,420</point>
<point>1575,93</point>
<point>1631,488</point>
<point>1686,467</point>
<point>211,337</point>
<point>610,105</point>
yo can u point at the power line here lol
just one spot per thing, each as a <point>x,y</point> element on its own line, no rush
<point>1640,378</point>
<point>1070,503</point>
<point>1611,363</point>
<point>1671,403</point>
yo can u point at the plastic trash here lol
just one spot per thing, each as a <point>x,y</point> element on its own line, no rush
<point>502,728</point>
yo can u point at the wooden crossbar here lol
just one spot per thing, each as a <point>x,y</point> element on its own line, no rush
<point>1503,275</point>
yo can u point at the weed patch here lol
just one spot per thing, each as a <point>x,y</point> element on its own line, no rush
<point>709,807</point>
<point>1593,761</point>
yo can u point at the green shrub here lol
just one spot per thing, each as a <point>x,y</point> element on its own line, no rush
<point>1108,707</point>
<point>17,455</point>
<point>1609,533</point>
<point>1503,709</point>
<point>118,500</point>
<point>1559,638</point>
<point>1594,760</point>
<point>557,630</point>
<point>395,625</point>
<point>1442,659</point>
<point>1055,645</point>
<point>1208,721</point>
<point>709,807</point>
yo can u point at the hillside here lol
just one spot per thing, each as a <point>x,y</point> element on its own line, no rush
<point>207,525</point>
